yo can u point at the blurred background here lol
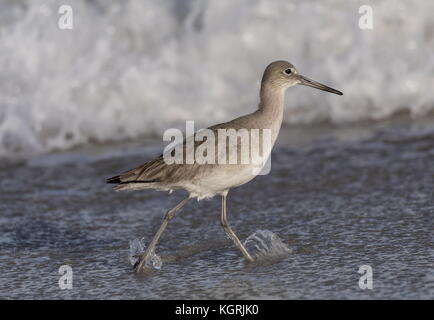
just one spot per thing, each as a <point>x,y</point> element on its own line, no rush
<point>352,176</point>
<point>130,69</point>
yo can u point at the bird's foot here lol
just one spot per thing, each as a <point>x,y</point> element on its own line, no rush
<point>148,260</point>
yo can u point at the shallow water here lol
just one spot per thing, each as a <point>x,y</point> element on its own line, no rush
<point>335,203</point>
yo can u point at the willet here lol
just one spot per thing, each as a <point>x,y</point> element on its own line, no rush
<point>208,180</point>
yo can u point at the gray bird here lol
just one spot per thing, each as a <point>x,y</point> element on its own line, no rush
<point>205,180</point>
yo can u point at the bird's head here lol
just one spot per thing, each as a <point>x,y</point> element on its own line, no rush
<point>282,75</point>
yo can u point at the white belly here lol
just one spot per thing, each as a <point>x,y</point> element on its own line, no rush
<point>220,180</point>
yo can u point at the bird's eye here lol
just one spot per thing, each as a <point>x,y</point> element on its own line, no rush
<point>288,71</point>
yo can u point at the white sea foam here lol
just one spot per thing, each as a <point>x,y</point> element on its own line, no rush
<point>131,68</point>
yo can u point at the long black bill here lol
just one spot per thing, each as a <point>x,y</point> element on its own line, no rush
<point>311,83</point>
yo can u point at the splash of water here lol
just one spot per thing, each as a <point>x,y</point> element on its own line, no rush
<point>137,248</point>
<point>264,244</point>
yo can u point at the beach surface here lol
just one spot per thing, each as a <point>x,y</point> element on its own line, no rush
<point>337,198</point>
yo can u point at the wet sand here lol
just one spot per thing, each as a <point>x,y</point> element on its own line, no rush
<point>338,198</point>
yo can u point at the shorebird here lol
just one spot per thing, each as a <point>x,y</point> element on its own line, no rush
<point>208,180</point>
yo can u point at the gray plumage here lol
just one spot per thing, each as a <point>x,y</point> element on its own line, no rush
<point>208,180</point>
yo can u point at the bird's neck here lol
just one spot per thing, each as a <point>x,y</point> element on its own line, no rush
<point>271,99</point>
<point>271,106</point>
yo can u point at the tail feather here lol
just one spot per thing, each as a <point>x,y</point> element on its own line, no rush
<point>140,177</point>
<point>129,185</point>
<point>115,179</point>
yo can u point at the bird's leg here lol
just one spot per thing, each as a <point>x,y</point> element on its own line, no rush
<point>230,233</point>
<point>150,249</point>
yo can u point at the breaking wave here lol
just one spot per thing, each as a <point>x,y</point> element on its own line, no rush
<point>134,68</point>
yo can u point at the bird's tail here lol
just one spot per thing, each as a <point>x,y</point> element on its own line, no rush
<point>123,184</point>
<point>115,179</point>
<point>142,177</point>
